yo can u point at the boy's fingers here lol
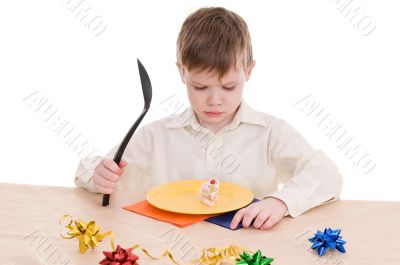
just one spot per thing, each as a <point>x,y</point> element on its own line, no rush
<point>112,166</point>
<point>237,218</point>
<point>107,174</point>
<point>102,189</point>
<point>105,182</point>
<point>123,163</point>
<point>249,216</point>
<point>272,220</point>
<point>261,218</point>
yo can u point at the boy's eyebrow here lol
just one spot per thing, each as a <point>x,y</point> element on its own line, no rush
<point>226,84</point>
<point>197,83</point>
<point>231,83</point>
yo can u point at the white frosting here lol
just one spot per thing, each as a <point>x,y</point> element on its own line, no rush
<point>209,192</point>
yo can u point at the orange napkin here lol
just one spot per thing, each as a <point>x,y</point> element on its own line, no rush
<point>178,219</point>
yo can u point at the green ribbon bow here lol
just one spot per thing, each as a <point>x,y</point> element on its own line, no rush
<point>256,259</point>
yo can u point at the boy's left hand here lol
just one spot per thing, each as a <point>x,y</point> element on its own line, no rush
<point>265,213</point>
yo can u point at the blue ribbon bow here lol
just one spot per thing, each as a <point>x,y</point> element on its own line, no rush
<point>329,239</point>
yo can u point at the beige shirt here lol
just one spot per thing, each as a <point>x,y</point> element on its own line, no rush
<point>256,151</point>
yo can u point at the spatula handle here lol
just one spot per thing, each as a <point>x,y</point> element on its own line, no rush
<point>117,159</point>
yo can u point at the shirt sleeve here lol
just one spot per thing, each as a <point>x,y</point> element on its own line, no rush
<point>137,155</point>
<point>309,177</point>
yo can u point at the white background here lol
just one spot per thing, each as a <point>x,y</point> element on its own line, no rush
<point>301,47</point>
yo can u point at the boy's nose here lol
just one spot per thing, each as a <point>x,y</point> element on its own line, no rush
<point>214,98</point>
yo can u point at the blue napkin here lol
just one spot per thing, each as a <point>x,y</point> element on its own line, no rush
<point>225,219</point>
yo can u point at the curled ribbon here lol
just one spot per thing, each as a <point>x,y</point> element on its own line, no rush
<point>256,259</point>
<point>87,233</point>
<point>215,256</point>
<point>329,239</point>
<point>147,253</point>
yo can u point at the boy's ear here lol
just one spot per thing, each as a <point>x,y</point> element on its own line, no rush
<point>250,70</point>
<point>181,71</point>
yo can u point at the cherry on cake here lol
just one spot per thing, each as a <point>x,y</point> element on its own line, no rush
<point>209,192</point>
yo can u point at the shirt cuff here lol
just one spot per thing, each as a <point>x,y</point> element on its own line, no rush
<point>87,185</point>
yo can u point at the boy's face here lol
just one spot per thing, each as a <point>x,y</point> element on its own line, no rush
<point>215,100</point>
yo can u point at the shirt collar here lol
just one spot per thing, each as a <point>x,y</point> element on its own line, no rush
<point>245,114</point>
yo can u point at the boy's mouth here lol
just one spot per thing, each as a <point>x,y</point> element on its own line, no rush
<point>212,114</point>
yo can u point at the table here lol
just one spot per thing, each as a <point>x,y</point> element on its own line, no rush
<point>29,230</point>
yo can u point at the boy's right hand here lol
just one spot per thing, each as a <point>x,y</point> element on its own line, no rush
<point>107,174</point>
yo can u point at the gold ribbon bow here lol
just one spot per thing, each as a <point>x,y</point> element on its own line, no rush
<point>88,234</point>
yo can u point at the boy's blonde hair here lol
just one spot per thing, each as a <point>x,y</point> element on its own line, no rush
<point>213,39</point>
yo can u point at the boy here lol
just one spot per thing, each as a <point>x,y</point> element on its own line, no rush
<point>220,136</point>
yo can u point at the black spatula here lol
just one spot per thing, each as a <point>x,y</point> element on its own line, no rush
<point>147,95</point>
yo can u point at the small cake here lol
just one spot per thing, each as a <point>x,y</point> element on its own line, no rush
<point>209,192</point>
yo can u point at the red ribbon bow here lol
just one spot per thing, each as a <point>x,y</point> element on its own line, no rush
<point>119,257</point>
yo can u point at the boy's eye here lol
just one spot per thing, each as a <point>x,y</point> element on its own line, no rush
<point>229,88</point>
<point>204,87</point>
<point>200,88</point>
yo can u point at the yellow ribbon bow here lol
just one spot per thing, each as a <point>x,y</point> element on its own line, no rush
<point>88,234</point>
